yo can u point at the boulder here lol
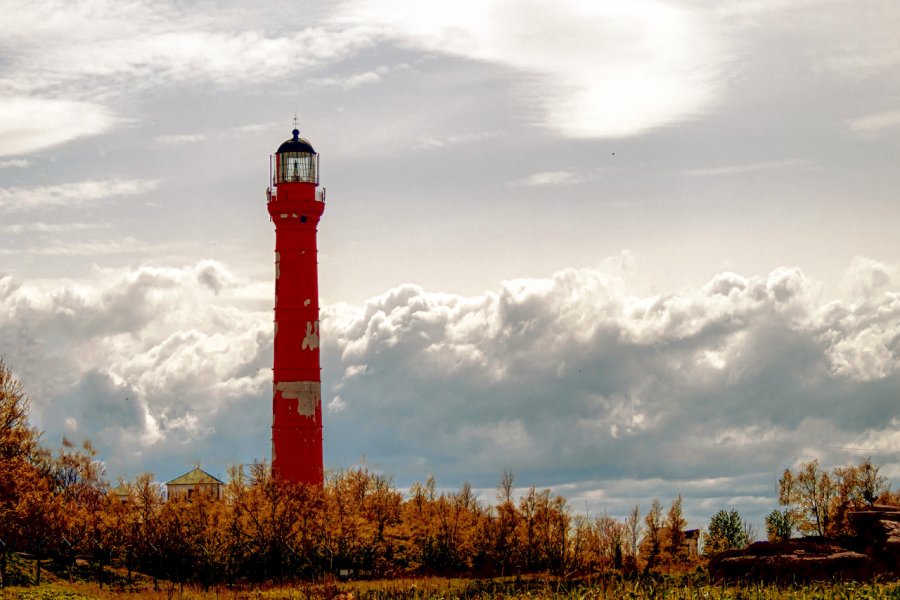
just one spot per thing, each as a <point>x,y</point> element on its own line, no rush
<point>873,549</point>
<point>792,560</point>
<point>878,536</point>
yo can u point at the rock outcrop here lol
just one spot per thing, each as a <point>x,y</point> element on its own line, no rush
<point>873,550</point>
<point>793,560</point>
<point>878,536</point>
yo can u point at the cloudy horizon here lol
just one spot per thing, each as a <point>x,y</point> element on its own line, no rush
<point>624,252</point>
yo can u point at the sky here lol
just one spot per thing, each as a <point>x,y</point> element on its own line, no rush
<point>623,250</point>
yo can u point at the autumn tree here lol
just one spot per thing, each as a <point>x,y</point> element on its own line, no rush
<point>610,539</point>
<point>280,524</point>
<point>382,508</point>
<point>362,510</point>
<point>456,516</point>
<point>674,529</point>
<point>652,541</point>
<point>633,531</point>
<point>113,526</point>
<point>18,442</point>
<point>505,547</point>
<point>76,476</point>
<point>858,486</point>
<point>418,524</point>
<point>820,501</point>
<point>543,529</point>
<point>31,517</point>
<point>810,491</point>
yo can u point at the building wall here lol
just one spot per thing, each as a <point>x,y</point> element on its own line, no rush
<point>191,490</point>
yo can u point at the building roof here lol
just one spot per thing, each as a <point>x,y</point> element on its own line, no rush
<point>195,477</point>
<point>296,144</point>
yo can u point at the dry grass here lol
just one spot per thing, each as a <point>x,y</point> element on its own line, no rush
<point>494,589</point>
<point>682,586</point>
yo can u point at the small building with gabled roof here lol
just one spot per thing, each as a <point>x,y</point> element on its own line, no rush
<point>120,493</point>
<point>193,483</point>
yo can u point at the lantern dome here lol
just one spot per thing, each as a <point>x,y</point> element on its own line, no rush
<point>296,144</point>
<point>296,161</point>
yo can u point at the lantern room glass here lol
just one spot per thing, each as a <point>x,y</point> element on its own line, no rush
<point>302,167</point>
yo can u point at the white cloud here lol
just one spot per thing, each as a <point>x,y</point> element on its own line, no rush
<point>554,178</point>
<point>176,139</point>
<point>19,163</point>
<point>581,375</point>
<point>150,363</point>
<point>459,138</point>
<point>29,124</point>
<point>72,195</point>
<point>571,380</point>
<point>64,69</point>
<point>144,43</point>
<point>336,405</point>
<point>790,163</point>
<point>597,69</point>
<point>94,248</point>
<point>41,227</point>
<point>886,442</point>
<point>877,123</point>
<point>349,82</point>
<point>849,52</point>
<point>866,278</point>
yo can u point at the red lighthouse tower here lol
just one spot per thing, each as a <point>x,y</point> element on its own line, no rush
<point>295,205</point>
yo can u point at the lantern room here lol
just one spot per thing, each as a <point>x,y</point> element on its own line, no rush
<point>296,161</point>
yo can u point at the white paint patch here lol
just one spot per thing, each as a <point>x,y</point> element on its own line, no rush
<point>311,341</point>
<point>308,395</point>
<point>306,302</point>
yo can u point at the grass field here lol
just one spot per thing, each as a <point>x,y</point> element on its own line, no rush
<point>438,588</point>
<point>79,583</point>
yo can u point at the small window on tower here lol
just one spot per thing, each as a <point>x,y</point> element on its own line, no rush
<point>303,218</point>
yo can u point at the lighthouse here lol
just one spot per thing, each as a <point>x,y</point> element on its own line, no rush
<point>296,204</point>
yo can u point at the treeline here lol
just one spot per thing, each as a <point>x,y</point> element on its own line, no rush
<point>57,505</point>
<point>819,501</point>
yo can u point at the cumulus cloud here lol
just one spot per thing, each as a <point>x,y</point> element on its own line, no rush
<point>158,365</point>
<point>572,381</point>
<point>573,378</point>
<point>597,69</point>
